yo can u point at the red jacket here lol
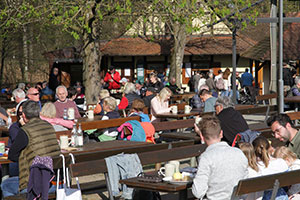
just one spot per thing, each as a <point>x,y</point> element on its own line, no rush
<point>114,84</point>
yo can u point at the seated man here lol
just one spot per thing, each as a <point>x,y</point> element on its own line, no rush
<point>220,166</point>
<point>64,103</point>
<point>34,95</point>
<point>208,99</point>
<point>232,121</point>
<point>19,97</point>
<point>36,138</point>
<point>284,130</point>
<point>172,85</point>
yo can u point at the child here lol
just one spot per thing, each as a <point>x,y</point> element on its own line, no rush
<point>291,160</point>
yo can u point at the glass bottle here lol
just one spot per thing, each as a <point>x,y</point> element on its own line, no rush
<point>79,136</point>
<point>74,136</point>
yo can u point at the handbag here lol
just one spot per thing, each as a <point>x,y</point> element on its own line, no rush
<point>67,193</point>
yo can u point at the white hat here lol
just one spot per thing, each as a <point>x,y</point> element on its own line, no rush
<point>124,80</point>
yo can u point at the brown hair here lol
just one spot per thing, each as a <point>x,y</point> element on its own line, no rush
<point>226,73</point>
<point>261,146</point>
<point>285,153</point>
<point>248,150</point>
<point>210,127</point>
<point>138,105</point>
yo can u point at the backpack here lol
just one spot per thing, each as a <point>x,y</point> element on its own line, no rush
<point>220,84</point>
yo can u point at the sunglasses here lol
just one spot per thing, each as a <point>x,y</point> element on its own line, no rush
<point>35,93</point>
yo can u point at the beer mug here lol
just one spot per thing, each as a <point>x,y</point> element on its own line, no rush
<point>90,114</point>
<point>187,109</point>
<point>71,113</point>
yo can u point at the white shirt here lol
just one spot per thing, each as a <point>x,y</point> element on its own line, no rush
<point>220,169</point>
<point>157,107</point>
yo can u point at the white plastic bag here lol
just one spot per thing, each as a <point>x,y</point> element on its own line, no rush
<point>67,193</point>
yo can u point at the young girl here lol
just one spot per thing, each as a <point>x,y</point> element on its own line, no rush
<point>268,165</point>
<point>293,163</point>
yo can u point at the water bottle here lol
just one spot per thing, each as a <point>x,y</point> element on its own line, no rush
<point>74,136</point>
<point>79,136</point>
<point>65,115</point>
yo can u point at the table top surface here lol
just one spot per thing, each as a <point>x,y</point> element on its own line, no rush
<point>108,145</point>
<point>160,186</point>
<point>180,114</point>
<point>85,119</point>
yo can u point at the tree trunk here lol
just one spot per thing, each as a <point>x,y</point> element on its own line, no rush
<point>3,52</point>
<point>25,53</point>
<point>177,52</point>
<point>91,58</point>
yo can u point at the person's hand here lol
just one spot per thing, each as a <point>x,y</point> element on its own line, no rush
<point>197,130</point>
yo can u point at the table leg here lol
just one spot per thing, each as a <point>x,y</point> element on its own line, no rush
<point>183,194</point>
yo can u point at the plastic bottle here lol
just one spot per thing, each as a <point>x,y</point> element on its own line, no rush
<point>65,115</point>
<point>79,136</point>
<point>74,136</point>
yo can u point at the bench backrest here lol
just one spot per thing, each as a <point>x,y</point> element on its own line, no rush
<point>258,109</point>
<point>262,183</point>
<point>84,157</point>
<point>171,125</point>
<point>100,124</point>
<point>266,97</point>
<point>294,115</point>
<point>146,158</point>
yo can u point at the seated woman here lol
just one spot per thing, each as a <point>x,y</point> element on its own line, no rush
<point>109,106</point>
<point>128,96</point>
<point>160,103</point>
<point>48,113</point>
<point>267,164</point>
<point>137,108</point>
<point>99,107</point>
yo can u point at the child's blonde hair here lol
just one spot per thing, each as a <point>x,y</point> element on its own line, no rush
<point>248,150</point>
<point>285,153</point>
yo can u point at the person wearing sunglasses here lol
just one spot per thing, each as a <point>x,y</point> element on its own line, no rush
<point>34,95</point>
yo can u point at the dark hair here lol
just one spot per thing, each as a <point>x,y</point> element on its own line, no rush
<point>71,92</point>
<point>282,119</point>
<point>31,109</point>
<point>246,70</point>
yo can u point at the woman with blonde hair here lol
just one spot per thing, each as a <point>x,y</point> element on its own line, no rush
<point>292,161</point>
<point>160,103</point>
<point>48,113</point>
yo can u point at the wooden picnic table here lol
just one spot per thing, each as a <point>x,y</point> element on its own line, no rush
<point>179,115</point>
<point>160,186</point>
<point>105,146</point>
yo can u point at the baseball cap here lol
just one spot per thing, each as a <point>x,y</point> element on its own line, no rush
<point>123,80</point>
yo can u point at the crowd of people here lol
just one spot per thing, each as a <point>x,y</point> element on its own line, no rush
<point>41,111</point>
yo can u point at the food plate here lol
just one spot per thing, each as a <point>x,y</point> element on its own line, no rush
<point>170,180</point>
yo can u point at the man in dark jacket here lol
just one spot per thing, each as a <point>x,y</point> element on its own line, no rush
<point>232,121</point>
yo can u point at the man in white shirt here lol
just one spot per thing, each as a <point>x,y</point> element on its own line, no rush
<point>220,167</point>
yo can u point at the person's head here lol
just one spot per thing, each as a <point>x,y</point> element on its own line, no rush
<point>223,103</point>
<point>55,71</point>
<point>72,93</point>
<point>111,69</point>
<point>39,86</point>
<point>282,127</point>
<point>33,94</point>
<point>137,105</point>
<point>165,94</point>
<point>249,152</point>
<point>246,70</point>
<point>210,75</point>
<point>109,104</point>
<point>21,86</point>
<point>138,85</point>
<point>286,154</point>
<point>210,130</point>
<point>48,110</point>
<point>18,94</point>
<point>153,77</point>
<point>103,94</point>
<point>172,81</point>
<point>150,91</point>
<point>204,95</point>
<point>61,93</point>
<point>261,147</point>
<point>31,109</point>
<point>123,81</point>
<point>129,88</point>
<point>220,71</point>
<point>297,82</point>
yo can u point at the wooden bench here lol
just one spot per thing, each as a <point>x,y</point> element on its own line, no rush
<point>146,158</point>
<point>274,181</point>
<point>87,157</point>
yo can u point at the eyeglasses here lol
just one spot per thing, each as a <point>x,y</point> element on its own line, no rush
<point>276,131</point>
<point>35,93</point>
